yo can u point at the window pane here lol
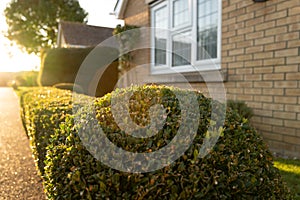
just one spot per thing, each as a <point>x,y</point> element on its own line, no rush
<point>181,48</point>
<point>207,34</point>
<point>181,12</point>
<point>160,23</point>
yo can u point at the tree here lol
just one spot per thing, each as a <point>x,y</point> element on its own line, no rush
<point>33,24</point>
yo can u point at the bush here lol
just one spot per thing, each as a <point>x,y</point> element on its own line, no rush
<point>241,108</point>
<point>43,109</point>
<point>239,166</point>
<point>61,65</point>
<point>26,78</point>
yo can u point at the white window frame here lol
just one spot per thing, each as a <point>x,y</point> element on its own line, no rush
<point>196,65</point>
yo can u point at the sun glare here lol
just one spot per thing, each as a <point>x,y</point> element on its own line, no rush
<point>12,58</point>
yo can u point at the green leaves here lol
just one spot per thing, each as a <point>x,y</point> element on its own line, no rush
<point>33,24</point>
<point>238,167</point>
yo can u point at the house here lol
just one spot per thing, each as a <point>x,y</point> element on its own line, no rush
<point>79,35</point>
<point>255,45</point>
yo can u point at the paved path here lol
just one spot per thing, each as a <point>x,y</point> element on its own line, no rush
<point>18,174</point>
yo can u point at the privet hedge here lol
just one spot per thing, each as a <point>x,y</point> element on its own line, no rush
<point>239,166</point>
<point>61,65</point>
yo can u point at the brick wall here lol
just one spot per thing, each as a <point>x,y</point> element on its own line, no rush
<point>261,52</point>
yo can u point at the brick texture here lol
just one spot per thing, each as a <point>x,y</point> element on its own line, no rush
<point>271,69</point>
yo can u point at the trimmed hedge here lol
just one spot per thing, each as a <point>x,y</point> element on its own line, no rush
<point>61,65</point>
<point>240,165</point>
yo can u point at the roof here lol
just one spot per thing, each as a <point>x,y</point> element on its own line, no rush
<point>80,34</point>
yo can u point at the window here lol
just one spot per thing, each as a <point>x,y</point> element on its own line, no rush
<point>186,35</point>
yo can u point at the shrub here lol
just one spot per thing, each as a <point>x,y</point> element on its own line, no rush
<point>43,109</point>
<point>241,108</point>
<point>61,65</point>
<point>26,78</point>
<point>239,166</point>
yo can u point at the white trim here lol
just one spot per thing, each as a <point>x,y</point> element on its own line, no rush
<point>120,9</point>
<point>196,65</point>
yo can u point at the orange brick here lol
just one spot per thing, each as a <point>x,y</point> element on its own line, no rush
<point>287,36</point>
<point>254,49</point>
<point>263,55</point>
<point>246,30</point>
<point>255,21</point>
<point>245,17</point>
<point>293,43</point>
<point>244,84</point>
<point>294,10</point>
<point>253,63</point>
<point>252,77</point>
<point>265,25</point>
<point>235,78</point>
<point>287,4</point>
<point>243,4</point>
<point>263,98</point>
<point>244,71</point>
<point>288,20</point>
<point>274,61</point>
<point>294,27</point>
<point>236,65</point>
<point>276,15</point>
<point>273,77</point>
<point>254,91</point>
<point>257,34</point>
<point>286,68</point>
<point>293,76</point>
<point>284,99</point>
<point>229,34</point>
<point>229,8</point>
<point>236,52</point>
<point>244,44</point>
<point>265,11</point>
<point>265,40</point>
<point>264,84</point>
<point>287,52</point>
<point>292,92</point>
<point>263,70</point>
<point>275,46</point>
<point>293,60</point>
<point>286,84</point>
<point>273,91</point>
<point>244,57</point>
<point>238,38</point>
<point>276,31</point>
<point>229,21</point>
<point>237,12</point>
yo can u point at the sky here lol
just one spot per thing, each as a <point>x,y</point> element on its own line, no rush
<point>13,59</point>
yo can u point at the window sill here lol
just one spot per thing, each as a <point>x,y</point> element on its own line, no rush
<point>191,77</point>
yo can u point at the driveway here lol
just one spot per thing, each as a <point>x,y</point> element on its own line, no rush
<point>18,174</point>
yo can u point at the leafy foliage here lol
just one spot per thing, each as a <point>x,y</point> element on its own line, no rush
<point>61,65</point>
<point>42,112</point>
<point>241,108</point>
<point>239,166</point>
<point>33,24</point>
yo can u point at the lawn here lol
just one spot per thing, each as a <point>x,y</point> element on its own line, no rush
<point>290,171</point>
